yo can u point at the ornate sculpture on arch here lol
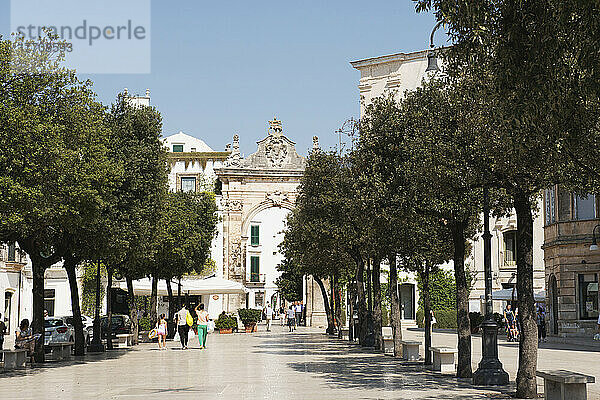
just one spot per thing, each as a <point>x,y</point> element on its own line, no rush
<point>277,197</point>
<point>276,151</point>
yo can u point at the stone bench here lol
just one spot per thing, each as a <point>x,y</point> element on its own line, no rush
<point>565,385</point>
<point>14,358</point>
<point>345,333</point>
<point>124,340</point>
<point>410,350</point>
<point>388,340</point>
<point>443,358</point>
<point>60,350</point>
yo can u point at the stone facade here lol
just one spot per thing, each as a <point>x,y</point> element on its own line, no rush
<point>572,269</point>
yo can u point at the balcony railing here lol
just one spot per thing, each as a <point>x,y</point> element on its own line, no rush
<point>255,278</point>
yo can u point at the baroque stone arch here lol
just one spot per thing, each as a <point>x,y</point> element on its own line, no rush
<point>260,207</point>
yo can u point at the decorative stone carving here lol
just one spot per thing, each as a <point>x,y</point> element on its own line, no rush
<point>315,143</point>
<point>235,256</point>
<point>275,127</point>
<point>232,205</point>
<point>277,197</point>
<point>276,151</point>
<point>235,158</point>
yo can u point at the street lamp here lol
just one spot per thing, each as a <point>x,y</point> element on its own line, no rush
<point>431,57</point>
<point>594,245</point>
<point>490,370</point>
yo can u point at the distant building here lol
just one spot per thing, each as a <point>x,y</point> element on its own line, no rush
<point>572,268</point>
<point>395,74</point>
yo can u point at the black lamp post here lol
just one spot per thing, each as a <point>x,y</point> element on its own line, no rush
<point>431,57</point>
<point>490,370</point>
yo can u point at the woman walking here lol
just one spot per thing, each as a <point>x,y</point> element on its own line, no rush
<point>202,325</point>
<point>161,330</point>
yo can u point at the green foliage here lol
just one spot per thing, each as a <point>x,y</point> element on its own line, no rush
<point>289,283</point>
<point>445,319</point>
<point>145,324</point>
<point>225,322</point>
<point>88,287</point>
<point>249,316</point>
<point>442,290</point>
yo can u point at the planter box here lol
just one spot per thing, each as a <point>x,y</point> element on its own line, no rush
<point>250,328</point>
<point>224,331</point>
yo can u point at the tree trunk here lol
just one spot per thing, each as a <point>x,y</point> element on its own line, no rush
<point>464,368</point>
<point>171,306</point>
<point>338,307</point>
<point>427,313</point>
<point>526,380</point>
<point>328,311</point>
<point>132,310</point>
<point>376,277</point>
<point>361,304</point>
<point>109,276</point>
<point>333,301</point>
<point>351,299</point>
<point>395,317</point>
<point>154,300</point>
<point>97,341</point>
<point>37,324</point>
<point>70,266</point>
<point>179,293</point>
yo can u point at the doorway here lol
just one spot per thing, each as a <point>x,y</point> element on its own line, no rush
<point>553,287</point>
<point>7,310</point>
<point>407,300</point>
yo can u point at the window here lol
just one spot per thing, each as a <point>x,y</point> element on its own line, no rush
<point>7,309</point>
<point>510,247</point>
<point>193,149</point>
<point>254,268</point>
<point>177,148</point>
<point>550,209</point>
<point>188,184</point>
<point>254,235</point>
<point>588,296</point>
<point>584,206</point>
<point>49,301</point>
<point>259,299</point>
<point>12,250</point>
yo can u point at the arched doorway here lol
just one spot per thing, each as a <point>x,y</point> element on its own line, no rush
<point>553,296</point>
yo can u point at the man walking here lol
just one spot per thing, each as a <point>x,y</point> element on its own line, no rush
<point>268,315</point>
<point>182,326</point>
<point>298,311</point>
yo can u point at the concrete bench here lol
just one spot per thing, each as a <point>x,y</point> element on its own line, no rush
<point>388,340</point>
<point>410,350</point>
<point>443,358</point>
<point>565,385</point>
<point>124,340</point>
<point>60,350</point>
<point>14,358</point>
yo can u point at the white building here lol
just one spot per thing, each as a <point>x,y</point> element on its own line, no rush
<point>397,73</point>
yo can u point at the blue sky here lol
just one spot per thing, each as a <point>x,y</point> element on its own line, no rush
<point>219,68</point>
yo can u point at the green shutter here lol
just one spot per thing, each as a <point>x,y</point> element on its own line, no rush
<point>254,235</point>
<point>254,268</point>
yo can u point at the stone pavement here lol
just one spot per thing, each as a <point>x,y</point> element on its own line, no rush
<point>276,365</point>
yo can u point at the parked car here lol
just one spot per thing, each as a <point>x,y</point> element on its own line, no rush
<point>57,330</point>
<point>87,338</point>
<point>121,324</point>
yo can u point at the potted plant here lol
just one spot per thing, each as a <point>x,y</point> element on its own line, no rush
<point>225,323</point>
<point>250,318</point>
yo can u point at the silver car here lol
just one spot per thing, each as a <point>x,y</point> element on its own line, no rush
<point>57,330</point>
<point>88,324</point>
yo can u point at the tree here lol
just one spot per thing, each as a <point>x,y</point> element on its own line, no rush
<point>52,159</point>
<point>289,283</point>
<point>185,232</point>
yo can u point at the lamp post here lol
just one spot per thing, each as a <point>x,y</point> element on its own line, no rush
<point>490,370</point>
<point>594,245</point>
<point>431,57</point>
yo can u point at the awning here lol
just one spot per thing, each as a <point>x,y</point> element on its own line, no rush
<point>507,295</point>
<point>213,285</point>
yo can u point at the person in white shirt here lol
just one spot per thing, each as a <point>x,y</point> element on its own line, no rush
<point>291,317</point>
<point>298,311</point>
<point>268,315</point>
<point>182,326</point>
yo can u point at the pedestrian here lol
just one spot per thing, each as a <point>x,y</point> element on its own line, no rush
<point>298,311</point>
<point>161,331</point>
<point>25,339</point>
<point>182,326</point>
<point>509,320</point>
<point>2,333</point>
<point>541,324</point>
<point>281,315</point>
<point>291,316</point>
<point>202,325</point>
<point>268,315</point>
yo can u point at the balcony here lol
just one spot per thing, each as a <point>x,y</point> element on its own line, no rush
<point>256,279</point>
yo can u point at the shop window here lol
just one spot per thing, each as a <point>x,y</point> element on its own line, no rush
<point>49,299</point>
<point>588,296</point>
<point>188,184</point>
<point>584,206</point>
